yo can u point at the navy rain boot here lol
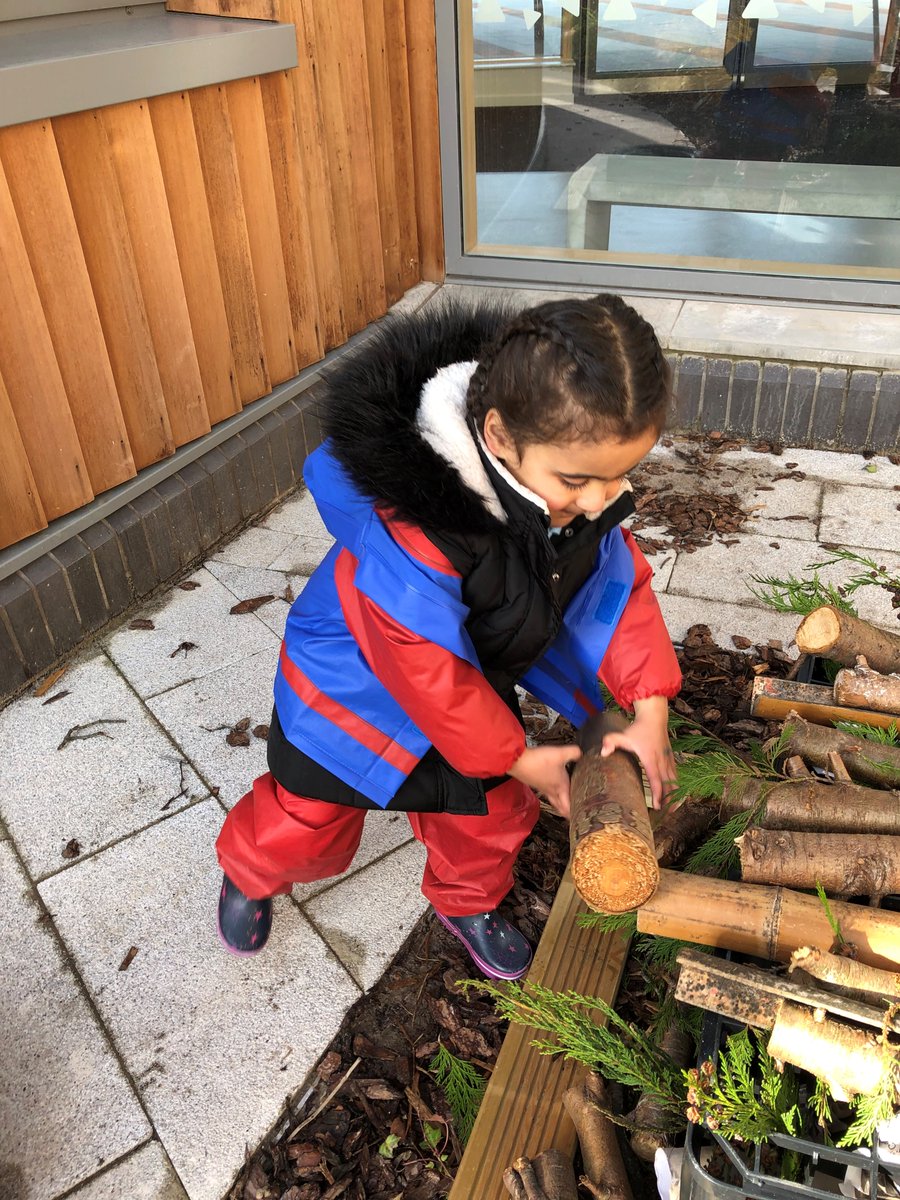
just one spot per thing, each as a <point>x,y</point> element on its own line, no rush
<point>497,947</point>
<point>243,924</point>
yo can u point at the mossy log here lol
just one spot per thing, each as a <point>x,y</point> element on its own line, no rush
<point>614,865</point>
<point>810,804</point>
<point>843,638</point>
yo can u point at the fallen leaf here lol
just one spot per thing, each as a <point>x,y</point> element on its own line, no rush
<point>742,643</point>
<point>183,647</point>
<point>251,605</point>
<point>261,732</point>
<point>72,848</point>
<point>128,959</point>
<point>141,623</point>
<point>214,791</point>
<point>43,688</point>
<point>288,595</point>
<point>188,585</point>
<point>237,737</point>
<point>65,692</point>
<point>242,725</point>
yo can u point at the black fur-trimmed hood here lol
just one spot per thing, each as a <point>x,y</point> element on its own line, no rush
<point>372,404</point>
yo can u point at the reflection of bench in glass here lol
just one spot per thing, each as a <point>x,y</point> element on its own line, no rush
<point>812,189</point>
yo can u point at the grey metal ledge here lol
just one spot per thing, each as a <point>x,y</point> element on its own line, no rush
<point>55,65</point>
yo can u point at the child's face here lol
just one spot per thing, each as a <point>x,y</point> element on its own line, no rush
<point>570,477</point>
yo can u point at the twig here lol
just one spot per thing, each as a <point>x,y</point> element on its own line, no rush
<point>182,790</point>
<point>331,1095</point>
<point>77,734</point>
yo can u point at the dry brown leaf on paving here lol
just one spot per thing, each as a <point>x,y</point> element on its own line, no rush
<point>128,959</point>
<point>237,737</point>
<point>251,605</point>
<point>72,848</point>
<point>57,696</point>
<point>288,595</point>
<point>43,688</point>
<point>183,648</point>
<point>141,623</point>
<point>742,643</point>
<point>188,585</point>
<point>261,732</point>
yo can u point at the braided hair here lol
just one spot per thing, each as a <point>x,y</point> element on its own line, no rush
<point>573,369</point>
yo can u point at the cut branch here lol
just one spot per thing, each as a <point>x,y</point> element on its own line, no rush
<point>767,922</point>
<point>843,638</point>
<point>861,687</point>
<point>679,828</point>
<point>772,699</point>
<point>845,864</point>
<point>806,803</point>
<point>654,1121</point>
<point>550,1176</point>
<point>867,761</point>
<point>851,1061</point>
<point>847,974</point>
<point>600,1152</point>
<point>614,865</point>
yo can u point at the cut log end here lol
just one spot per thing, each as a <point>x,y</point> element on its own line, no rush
<point>818,632</point>
<point>614,870</point>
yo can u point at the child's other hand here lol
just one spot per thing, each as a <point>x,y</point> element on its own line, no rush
<point>544,769</point>
<point>648,738</point>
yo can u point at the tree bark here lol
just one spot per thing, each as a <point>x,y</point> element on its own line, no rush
<point>806,803</point>
<point>772,699</point>
<point>767,922</point>
<point>867,761</point>
<point>841,637</point>
<point>550,1176</point>
<point>613,859</point>
<point>845,864</point>
<point>655,1125</point>
<point>679,828</point>
<point>847,974</point>
<point>597,1137</point>
<point>851,1061</point>
<point>861,687</point>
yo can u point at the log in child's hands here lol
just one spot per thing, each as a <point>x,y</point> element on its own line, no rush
<point>648,738</point>
<point>544,769</point>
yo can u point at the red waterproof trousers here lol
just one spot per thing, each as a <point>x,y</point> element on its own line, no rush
<point>272,839</point>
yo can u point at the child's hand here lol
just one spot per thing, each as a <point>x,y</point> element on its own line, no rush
<point>648,738</point>
<point>544,769</point>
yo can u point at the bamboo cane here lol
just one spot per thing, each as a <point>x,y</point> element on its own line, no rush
<point>614,865</point>
<point>774,698</point>
<point>768,922</point>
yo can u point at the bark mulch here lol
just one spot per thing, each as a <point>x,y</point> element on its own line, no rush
<point>374,1125</point>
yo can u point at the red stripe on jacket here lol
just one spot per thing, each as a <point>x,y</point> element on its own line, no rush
<point>367,735</point>
<point>417,543</point>
<point>447,698</point>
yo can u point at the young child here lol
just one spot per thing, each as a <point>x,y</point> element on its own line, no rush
<point>474,478</point>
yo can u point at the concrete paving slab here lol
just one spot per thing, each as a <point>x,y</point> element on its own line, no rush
<point>66,1107</point>
<point>255,547</point>
<point>214,1042</point>
<point>193,712</point>
<point>415,298</point>
<point>145,1175</point>
<point>303,555</point>
<point>826,465</point>
<point>855,519</point>
<point>95,789</point>
<point>785,508</point>
<point>825,335</point>
<point>382,833</point>
<point>246,582</point>
<point>662,562</point>
<point>760,625</point>
<point>366,918</point>
<point>297,515</point>
<point>150,658</point>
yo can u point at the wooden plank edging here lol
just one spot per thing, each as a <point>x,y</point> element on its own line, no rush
<point>522,1111</point>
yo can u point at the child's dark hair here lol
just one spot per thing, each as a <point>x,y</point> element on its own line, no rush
<point>572,369</point>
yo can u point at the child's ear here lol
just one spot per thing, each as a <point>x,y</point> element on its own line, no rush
<point>496,437</point>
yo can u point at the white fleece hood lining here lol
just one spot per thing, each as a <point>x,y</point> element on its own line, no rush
<point>442,422</point>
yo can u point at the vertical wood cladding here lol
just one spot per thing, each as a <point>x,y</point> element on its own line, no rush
<point>167,261</point>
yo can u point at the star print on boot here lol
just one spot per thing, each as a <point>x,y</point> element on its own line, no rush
<point>497,948</point>
<point>243,924</point>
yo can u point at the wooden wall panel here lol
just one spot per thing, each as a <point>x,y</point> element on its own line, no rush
<point>176,143</point>
<point>293,214</point>
<point>44,210</point>
<point>34,384</point>
<point>129,131</point>
<point>103,229</point>
<point>316,163</point>
<point>21,511</point>
<point>248,123</point>
<point>167,261</point>
<point>223,191</point>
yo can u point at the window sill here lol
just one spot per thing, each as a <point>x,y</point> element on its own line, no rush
<point>62,65</point>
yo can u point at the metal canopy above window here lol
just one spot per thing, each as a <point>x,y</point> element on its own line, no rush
<point>66,61</point>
